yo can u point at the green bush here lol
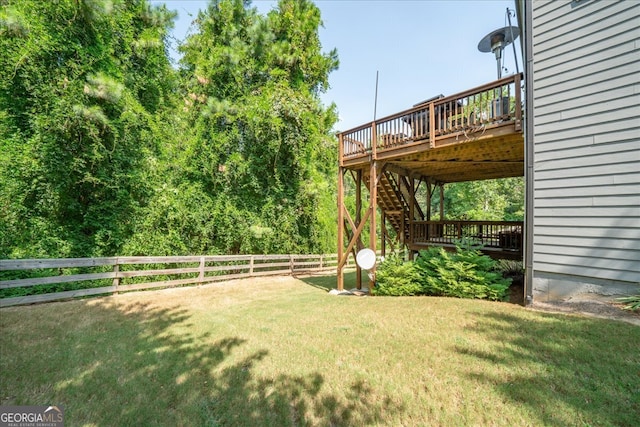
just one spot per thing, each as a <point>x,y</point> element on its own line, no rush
<point>465,273</point>
<point>397,278</point>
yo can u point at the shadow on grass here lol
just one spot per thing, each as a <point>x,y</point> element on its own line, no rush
<point>329,281</point>
<point>141,365</point>
<point>565,370</point>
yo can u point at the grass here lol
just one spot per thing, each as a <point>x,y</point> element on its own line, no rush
<point>280,351</point>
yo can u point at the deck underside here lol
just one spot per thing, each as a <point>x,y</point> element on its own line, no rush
<point>496,153</point>
<point>404,158</point>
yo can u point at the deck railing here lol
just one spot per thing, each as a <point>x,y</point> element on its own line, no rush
<point>503,235</point>
<point>461,115</point>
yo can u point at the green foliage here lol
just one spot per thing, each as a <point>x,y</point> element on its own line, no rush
<point>462,274</point>
<point>510,267</point>
<point>105,149</point>
<point>80,113</point>
<point>489,200</point>
<point>397,278</point>
<point>465,273</point>
<point>631,303</point>
<point>259,137</point>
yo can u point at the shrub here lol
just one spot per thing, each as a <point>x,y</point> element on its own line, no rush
<point>632,303</point>
<point>397,278</point>
<point>465,273</point>
<point>510,267</point>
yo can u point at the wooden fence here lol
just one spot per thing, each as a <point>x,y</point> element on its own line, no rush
<point>120,274</point>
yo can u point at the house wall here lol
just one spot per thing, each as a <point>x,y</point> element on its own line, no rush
<point>586,190</point>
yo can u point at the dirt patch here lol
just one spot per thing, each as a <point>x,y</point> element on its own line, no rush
<point>583,306</point>
<point>516,291</point>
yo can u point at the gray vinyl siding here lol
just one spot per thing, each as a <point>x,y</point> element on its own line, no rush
<point>587,139</point>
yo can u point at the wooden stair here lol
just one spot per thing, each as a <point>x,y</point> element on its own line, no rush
<point>394,201</point>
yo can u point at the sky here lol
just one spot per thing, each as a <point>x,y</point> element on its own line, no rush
<point>418,48</point>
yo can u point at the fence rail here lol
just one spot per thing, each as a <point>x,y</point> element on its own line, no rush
<point>121,274</point>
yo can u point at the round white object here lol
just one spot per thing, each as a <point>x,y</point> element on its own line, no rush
<point>366,259</point>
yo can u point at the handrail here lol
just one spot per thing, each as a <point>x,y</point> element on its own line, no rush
<point>477,89</point>
<point>504,235</point>
<point>492,104</point>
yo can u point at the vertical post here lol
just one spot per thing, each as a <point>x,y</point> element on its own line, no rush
<point>251,264</point>
<point>340,269</point>
<point>383,232</point>
<point>529,153</point>
<point>373,195</point>
<point>403,214</point>
<point>374,141</point>
<point>430,189</point>
<point>358,220</point>
<point>201,271</point>
<point>432,126</point>
<point>518,101</point>
<point>373,205</point>
<point>412,208</point>
<point>403,233</point>
<point>116,277</point>
<point>441,201</point>
<point>292,264</point>
<point>428,199</point>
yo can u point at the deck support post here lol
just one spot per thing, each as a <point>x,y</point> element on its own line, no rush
<point>340,272</point>
<point>430,189</point>
<point>358,220</point>
<point>373,198</point>
<point>373,206</point>
<point>428,201</point>
<point>383,232</point>
<point>441,201</point>
<point>412,207</point>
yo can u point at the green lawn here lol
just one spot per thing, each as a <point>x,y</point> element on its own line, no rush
<point>281,351</point>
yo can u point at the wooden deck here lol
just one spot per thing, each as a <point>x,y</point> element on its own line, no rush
<point>473,135</point>
<point>470,136</point>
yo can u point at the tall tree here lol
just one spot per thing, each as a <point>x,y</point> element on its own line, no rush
<point>82,86</point>
<point>260,152</point>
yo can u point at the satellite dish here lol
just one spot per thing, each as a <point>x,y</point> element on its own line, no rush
<point>366,259</point>
<point>497,40</point>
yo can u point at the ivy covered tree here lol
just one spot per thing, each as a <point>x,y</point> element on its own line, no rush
<point>106,149</point>
<point>84,89</point>
<point>257,152</point>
